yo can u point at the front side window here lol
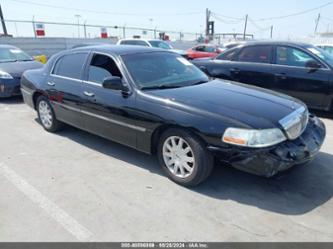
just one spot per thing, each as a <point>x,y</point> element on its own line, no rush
<point>70,66</point>
<point>12,54</point>
<point>228,55</point>
<point>210,49</point>
<point>324,55</point>
<point>256,54</point>
<point>289,56</point>
<point>101,67</point>
<point>199,48</point>
<point>162,70</point>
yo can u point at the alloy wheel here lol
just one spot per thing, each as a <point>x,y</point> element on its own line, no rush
<point>178,157</point>
<point>45,114</point>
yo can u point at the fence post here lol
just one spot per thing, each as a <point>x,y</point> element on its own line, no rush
<point>85,29</point>
<point>34,26</point>
<point>124,32</point>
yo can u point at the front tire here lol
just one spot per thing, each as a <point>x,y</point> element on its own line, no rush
<point>46,115</point>
<point>184,157</point>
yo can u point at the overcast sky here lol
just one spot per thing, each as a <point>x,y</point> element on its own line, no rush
<point>162,14</point>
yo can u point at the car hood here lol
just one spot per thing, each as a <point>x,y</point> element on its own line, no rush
<point>16,69</point>
<point>251,106</point>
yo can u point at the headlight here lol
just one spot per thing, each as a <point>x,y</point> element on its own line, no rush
<point>253,138</point>
<point>4,75</point>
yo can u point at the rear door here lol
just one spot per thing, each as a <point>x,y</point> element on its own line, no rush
<point>107,112</point>
<point>65,85</point>
<point>293,77</point>
<point>253,66</point>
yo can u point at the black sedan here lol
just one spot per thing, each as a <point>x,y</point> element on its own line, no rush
<point>13,62</point>
<point>299,70</point>
<point>158,102</point>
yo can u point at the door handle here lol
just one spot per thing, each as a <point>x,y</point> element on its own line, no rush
<point>89,94</point>
<point>282,76</point>
<point>51,83</point>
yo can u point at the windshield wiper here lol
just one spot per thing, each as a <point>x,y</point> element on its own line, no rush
<point>200,82</point>
<point>5,61</point>
<point>162,86</point>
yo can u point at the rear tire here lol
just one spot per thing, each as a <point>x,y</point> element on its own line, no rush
<point>46,115</point>
<point>184,157</point>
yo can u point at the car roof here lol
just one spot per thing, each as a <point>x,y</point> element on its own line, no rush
<point>278,43</point>
<point>119,49</point>
<point>7,46</point>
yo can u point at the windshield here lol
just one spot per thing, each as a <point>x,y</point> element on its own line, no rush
<point>162,70</point>
<point>160,44</point>
<point>13,54</point>
<point>328,58</point>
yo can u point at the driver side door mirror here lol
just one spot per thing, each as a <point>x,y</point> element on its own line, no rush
<point>114,83</point>
<point>313,65</point>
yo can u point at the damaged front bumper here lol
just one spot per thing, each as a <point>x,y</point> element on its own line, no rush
<point>270,161</point>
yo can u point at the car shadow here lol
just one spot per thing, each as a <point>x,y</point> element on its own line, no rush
<point>323,114</point>
<point>12,100</point>
<point>294,192</point>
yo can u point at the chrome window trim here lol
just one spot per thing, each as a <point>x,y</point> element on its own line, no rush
<point>134,127</point>
<point>66,78</point>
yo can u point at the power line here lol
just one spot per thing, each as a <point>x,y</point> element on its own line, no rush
<point>228,17</point>
<point>103,12</point>
<point>257,26</point>
<point>227,21</point>
<point>296,14</point>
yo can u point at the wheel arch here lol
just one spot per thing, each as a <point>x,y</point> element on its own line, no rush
<point>35,96</point>
<point>161,129</point>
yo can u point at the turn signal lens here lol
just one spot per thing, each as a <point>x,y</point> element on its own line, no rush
<point>253,138</point>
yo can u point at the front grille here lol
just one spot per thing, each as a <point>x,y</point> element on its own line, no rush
<point>295,123</point>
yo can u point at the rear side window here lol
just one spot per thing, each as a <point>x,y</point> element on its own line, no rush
<point>70,65</point>
<point>134,42</point>
<point>101,67</point>
<point>257,54</point>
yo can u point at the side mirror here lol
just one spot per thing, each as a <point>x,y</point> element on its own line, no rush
<point>114,83</point>
<point>313,65</point>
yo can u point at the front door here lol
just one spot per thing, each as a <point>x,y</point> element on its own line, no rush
<point>108,112</point>
<point>294,77</point>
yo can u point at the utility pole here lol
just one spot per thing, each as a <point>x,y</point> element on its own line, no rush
<point>272,27</point>
<point>207,22</point>
<point>317,23</point>
<point>3,23</point>
<point>245,27</point>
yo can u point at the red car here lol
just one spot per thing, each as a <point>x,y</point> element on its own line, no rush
<point>204,51</point>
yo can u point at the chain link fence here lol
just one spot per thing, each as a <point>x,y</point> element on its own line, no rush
<point>27,28</point>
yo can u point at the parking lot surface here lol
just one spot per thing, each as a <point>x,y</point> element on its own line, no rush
<point>74,186</point>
